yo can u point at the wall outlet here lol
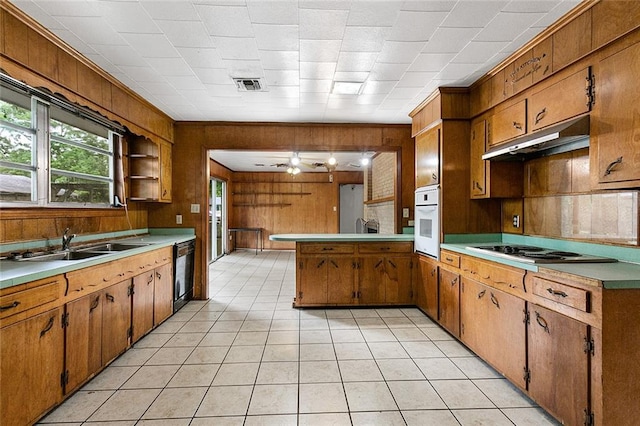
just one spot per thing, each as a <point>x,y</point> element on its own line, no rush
<point>335,208</point>
<point>195,208</point>
<point>411,223</point>
<point>405,213</point>
<point>178,219</point>
<point>516,221</point>
<point>330,177</point>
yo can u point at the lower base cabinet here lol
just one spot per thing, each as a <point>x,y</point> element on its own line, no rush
<point>559,365</point>
<point>326,280</point>
<point>30,367</point>
<point>163,293</point>
<point>449,301</point>
<point>427,287</point>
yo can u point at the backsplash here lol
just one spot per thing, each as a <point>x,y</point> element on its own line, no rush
<point>603,217</point>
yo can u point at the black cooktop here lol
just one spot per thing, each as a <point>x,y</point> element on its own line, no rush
<point>533,254</point>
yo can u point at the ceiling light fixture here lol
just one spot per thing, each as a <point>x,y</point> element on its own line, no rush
<point>293,170</point>
<point>295,160</point>
<point>347,87</point>
<point>332,160</point>
<point>364,160</point>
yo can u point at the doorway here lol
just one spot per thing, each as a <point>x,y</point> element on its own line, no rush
<point>351,207</point>
<point>217,218</point>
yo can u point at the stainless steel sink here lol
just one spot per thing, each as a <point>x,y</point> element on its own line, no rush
<point>68,255</point>
<point>110,247</point>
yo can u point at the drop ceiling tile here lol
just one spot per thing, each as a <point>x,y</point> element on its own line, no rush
<point>142,74</point>
<point>76,42</point>
<point>356,61</point>
<point>157,88</point>
<point>310,98</point>
<point>405,93</point>
<point>507,26</point>
<point>429,6</point>
<point>473,14</point>
<point>284,91</point>
<point>226,91</point>
<point>324,4</point>
<point>201,57</point>
<point>151,45</point>
<point>70,8</point>
<point>454,72</point>
<point>281,12</point>
<point>416,79</point>
<point>557,12</point>
<point>186,33</point>
<point>36,12</point>
<point>364,39</point>
<point>92,30</point>
<point>400,52</point>
<point>120,55</point>
<point>450,40</point>
<point>319,50</point>
<point>370,99</point>
<point>226,21</point>
<point>236,47</point>
<point>127,17</point>
<point>383,15</point>
<point>431,61</point>
<point>416,26</point>
<point>170,66</point>
<point>173,10</point>
<point>539,6</point>
<point>393,103</point>
<point>317,70</point>
<point>276,37</point>
<point>244,68</point>
<point>317,24</point>
<point>522,39</point>
<point>315,86</point>
<point>280,60</point>
<point>477,52</point>
<point>215,76</point>
<point>282,77</point>
<point>373,87</point>
<point>388,72</point>
<point>185,82</point>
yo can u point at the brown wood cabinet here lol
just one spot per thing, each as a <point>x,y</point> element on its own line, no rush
<point>489,326</point>
<point>427,286</point>
<point>116,320</point>
<point>163,293</point>
<point>558,370</point>
<point>385,280</point>
<point>508,123</point>
<point>149,170</point>
<point>428,157</point>
<point>30,367</point>
<point>142,305</point>
<point>326,280</point>
<point>615,153</point>
<point>165,171</point>
<point>449,300</point>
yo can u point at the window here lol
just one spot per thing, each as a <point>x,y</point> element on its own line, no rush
<point>53,156</point>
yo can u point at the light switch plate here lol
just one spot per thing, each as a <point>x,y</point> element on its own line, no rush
<point>178,219</point>
<point>405,212</point>
<point>195,208</point>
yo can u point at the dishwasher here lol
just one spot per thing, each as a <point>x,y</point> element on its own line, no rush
<point>183,264</point>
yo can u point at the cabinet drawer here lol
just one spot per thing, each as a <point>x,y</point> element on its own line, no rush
<point>564,294</point>
<point>449,258</point>
<point>389,247</point>
<point>326,248</point>
<point>20,301</point>
<point>502,277</point>
<point>508,123</point>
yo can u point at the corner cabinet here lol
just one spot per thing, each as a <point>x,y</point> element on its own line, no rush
<point>149,170</point>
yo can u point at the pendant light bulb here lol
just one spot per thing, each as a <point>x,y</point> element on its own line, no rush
<point>364,161</point>
<point>295,160</point>
<point>332,160</point>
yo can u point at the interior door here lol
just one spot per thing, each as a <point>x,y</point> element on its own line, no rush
<point>217,218</point>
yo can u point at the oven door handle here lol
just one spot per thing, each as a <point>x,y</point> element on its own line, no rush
<point>426,208</point>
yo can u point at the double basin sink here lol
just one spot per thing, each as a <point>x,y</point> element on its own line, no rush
<point>83,252</point>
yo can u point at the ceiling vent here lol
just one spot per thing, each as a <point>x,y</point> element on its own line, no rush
<point>250,85</point>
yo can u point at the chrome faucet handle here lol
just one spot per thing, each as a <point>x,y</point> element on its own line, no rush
<point>66,239</point>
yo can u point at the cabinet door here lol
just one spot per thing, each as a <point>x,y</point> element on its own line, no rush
<point>477,164</point>
<point>449,301</point>
<point>165,171</point>
<point>116,320</point>
<point>371,286</point>
<point>340,280</point>
<point>617,122</point>
<point>31,361</point>
<point>508,123</point>
<point>563,100</point>
<point>399,280</point>
<point>142,314</point>
<point>491,323</point>
<point>427,287</point>
<point>428,157</point>
<point>163,293</point>
<point>312,273</point>
<point>77,342</point>
<point>558,364</point>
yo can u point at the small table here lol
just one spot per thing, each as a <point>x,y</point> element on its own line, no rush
<point>258,231</point>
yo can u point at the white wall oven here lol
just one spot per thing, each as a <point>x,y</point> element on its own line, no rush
<point>427,221</point>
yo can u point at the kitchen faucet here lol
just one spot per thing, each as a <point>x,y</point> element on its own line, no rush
<point>66,239</point>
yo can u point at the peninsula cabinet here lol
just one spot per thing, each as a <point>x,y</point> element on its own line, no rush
<point>427,286</point>
<point>615,150</point>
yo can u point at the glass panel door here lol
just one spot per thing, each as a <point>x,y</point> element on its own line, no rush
<point>217,219</point>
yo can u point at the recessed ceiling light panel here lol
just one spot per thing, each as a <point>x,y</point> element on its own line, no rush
<point>346,87</point>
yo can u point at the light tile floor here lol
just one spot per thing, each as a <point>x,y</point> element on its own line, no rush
<point>246,357</point>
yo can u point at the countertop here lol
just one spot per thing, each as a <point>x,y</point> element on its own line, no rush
<point>618,275</point>
<point>340,238</point>
<point>18,272</point>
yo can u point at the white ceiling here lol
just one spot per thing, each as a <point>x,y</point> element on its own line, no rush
<point>181,55</point>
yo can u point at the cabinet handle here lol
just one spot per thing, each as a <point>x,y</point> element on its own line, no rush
<point>11,306</point>
<point>542,322</point>
<point>434,176</point>
<point>110,298</point>
<point>48,327</point>
<point>612,165</point>
<point>517,125</point>
<point>495,301</point>
<point>320,264</point>
<point>158,275</point>
<point>385,248</point>
<point>392,264</point>
<point>150,279</point>
<point>335,265</point>
<point>449,259</point>
<point>95,303</point>
<point>327,248</point>
<point>541,115</point>
<point>557,293</point>
<point>454,281</point>
<point>477,185</point>
<point>378,264</point>
<point>481,294</point>
<point>433,272</point>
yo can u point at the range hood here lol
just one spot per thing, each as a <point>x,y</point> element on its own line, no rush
<point>566,136</point>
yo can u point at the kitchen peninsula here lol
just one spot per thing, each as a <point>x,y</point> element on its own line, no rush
<point>353,269</point>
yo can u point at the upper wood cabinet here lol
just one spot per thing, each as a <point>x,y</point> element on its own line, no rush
<point>149,170</point>
<point>508,123</point>
<point>428,157</point>
<point>567,98</point>
<point>615,149</point>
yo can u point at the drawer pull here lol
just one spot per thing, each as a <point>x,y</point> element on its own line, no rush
<point>327,248</point>
<point>542,322</point>
<point>449,259</point>
<point>385,248</point>
<point>557,293</point>
<point>541,115</point>
<point>495,301</point>
<point>48,327</point>
<point>11,306</point>
<point>612,165</point>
